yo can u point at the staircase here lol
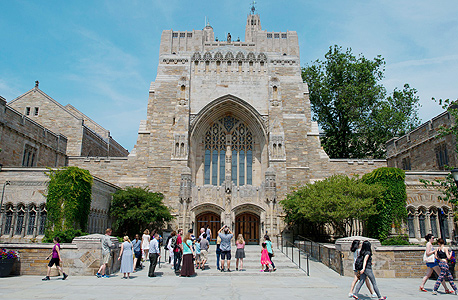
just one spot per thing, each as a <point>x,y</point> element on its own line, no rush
<point>251,264</point>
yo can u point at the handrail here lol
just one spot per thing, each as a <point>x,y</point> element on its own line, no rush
<point>284,242</point>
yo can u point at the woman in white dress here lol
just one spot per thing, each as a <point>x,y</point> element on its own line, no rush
<point>126,257</point>
<point>145,244</point>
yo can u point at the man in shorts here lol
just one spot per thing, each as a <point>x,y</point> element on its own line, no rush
<point>107,244</point>
<point>226,236</point>
<point>204,244</point>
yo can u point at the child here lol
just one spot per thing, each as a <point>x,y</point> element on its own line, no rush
<point>55,259</point>
<point>240,254</point>
<point>197,248</point>
<point>265,260</point>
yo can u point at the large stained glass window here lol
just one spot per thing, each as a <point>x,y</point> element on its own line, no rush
<point>228,133</point>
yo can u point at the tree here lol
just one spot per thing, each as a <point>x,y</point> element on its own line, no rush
<point>135,209</point>
<point>351,106</point>
<point>337,200</point>
<point>69,197</point>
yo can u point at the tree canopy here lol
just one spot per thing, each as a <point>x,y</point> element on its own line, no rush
<point>135,209</point>
<point>351,105</point>
<point>336,200</point>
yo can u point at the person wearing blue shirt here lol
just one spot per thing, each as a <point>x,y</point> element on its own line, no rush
<point>137,248</point>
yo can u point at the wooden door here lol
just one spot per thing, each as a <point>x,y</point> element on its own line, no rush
<point>212,220</point>
<point>247,224</point>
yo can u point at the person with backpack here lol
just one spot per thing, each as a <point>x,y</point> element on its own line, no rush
<point>356,248</point>
<point>364,265</point>
<point>177,252</point>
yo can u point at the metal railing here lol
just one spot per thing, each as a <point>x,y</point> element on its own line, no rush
<point>326,254</point>
<point>296,254</point>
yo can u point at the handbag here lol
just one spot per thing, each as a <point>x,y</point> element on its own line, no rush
<point>428,259</point>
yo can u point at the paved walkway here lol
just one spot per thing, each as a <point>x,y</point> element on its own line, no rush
<point>285,284</point>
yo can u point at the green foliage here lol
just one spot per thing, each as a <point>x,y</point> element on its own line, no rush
<point>391,206</point>
<point>66,236</point>
<point>351,106</point>
<point>135,209</point>
<point>69,198</point>
<point>337,200</point>
<point>396,240</point>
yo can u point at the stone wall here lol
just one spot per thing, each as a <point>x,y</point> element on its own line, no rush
<point>419,146</point>
<point>85,137</point>
<point>21,136</point>
<point>24,214</point>
<point>80,258</point>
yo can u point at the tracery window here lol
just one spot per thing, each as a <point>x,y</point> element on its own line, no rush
<point>20,221</point>
<point>43,215</point>
<point>32,218</point>
<point>8,221</point>
<point>411,225</point>
<point>421,222</point>
<point>433,220</point>
<point>240,147</point>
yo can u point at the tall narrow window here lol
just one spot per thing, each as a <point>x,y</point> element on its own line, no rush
<point>410,223</point>
<point>249,167</point>
<point>433,220</point>
<point>32,218</point>
<point>234,167</point>
<point>242,167</point>
<point>35,113</point>
<point>8,222</point>
<point>222,166</point>
<point>43,217</point>
<point>207,167</point>
<point>27,111</point>
<point>19,222</point>
<point>421,221</point>
<point>215,167</point>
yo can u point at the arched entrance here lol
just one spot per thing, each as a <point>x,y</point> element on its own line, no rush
<point>211,219</point>
<point>247,224</point>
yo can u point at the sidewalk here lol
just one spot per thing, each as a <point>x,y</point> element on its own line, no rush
<point>285,284</point>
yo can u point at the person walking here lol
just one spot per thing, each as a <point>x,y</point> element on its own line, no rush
<point>218,252</point>
<point>240,253</point>
<point>431,263</point>
<point>137,248</point>
<point>107,244</point>
<point>265,260</point>
<point>126,258</point>
<point>177,252</point>
<point>146,238</point>
<point>226,236</point>
<point>270,251</point>
<point>187,269</point>
<point>204,245</point>
<point>356,248</point>
<point>442,254</point>
<point>56,259</point>
<point>366,271</point>
<point>196,245</point>
<point>169,246</point>
<point>154,255</point>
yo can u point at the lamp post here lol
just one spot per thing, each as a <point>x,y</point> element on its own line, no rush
<point>1,207</point>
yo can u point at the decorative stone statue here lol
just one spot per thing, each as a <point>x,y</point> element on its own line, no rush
<point>229,37</point>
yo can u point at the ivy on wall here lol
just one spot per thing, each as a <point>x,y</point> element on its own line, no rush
<point>391,206</point>
<point>68,200</point>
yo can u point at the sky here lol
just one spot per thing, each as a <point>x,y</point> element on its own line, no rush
<point>101,56</point>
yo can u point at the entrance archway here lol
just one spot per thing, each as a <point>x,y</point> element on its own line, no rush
<point>211,219</point>
<point>247,224</point>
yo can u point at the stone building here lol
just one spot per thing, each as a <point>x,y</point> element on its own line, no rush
<point>423,153</point>
<point>26,143</point>
<point>228,131</point>
<point>85,137</point>
<point>24,214</point>
<point>423,149</point>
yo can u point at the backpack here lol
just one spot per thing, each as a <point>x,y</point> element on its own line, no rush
<point>173,244</point>
<point>359,262</point>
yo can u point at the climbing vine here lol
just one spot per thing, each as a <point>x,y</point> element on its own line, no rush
<point>391,206</point>
<point>68,200</point>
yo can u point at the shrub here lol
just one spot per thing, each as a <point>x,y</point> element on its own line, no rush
<point>396,240</point>
<point>66,236</point>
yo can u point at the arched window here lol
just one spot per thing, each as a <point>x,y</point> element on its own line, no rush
<point>43,216</point>
<point>421,221</point>
<point>433,221</point>
<point>411,224</point>
<point>444,221</point>
<point>8,220</point>
<point>240,146</point>
<point>20,220</point>
<point>32,218</point>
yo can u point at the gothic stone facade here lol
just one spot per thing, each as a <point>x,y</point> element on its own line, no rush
<point>85,137</point>
<point>228,131</point>
<point>24,142</point>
